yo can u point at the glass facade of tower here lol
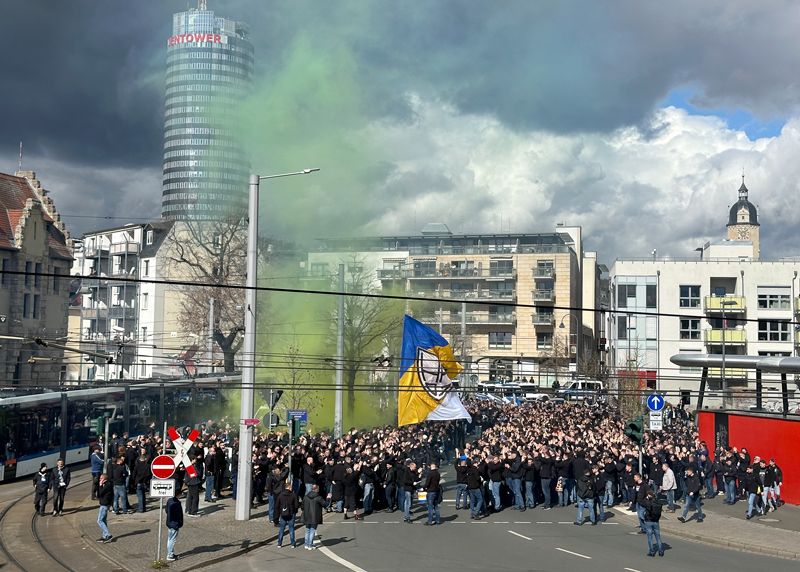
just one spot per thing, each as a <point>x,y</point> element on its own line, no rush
<point>209,73</point>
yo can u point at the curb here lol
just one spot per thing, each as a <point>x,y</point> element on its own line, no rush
<point>714,541</point>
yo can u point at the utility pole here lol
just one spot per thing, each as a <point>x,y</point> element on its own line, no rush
<point>464,342</point>
<point>210,349</point>
<point>337,412</point>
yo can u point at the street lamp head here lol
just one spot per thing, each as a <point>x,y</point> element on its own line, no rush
<point>307,171</point>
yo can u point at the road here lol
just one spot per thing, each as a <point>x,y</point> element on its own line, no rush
<point>533,540</point>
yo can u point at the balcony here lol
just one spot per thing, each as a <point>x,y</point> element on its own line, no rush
<point>483,294</point>
<point>545,319</point>
<point>544,296</point>
<point>94,313</point>
<point>122,312</point>
<point>462,273</point>
<point>391,274</point>
<point>474,318</point>
<point>544,272</point>
<point>94,251</point>
<point>124,272</point>
<point>726,304</point>
<point>730,373</point>
<point>733,336</point>
<point>94,282</point>
<point>125,248</point>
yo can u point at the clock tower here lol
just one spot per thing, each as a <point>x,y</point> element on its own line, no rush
<point>743,221</point>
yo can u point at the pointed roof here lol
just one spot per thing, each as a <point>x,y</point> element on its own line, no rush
<point>743,202</point>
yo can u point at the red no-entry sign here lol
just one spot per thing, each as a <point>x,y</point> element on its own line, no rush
<point>163,466</point>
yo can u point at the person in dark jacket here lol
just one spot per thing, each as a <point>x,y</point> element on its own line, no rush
<point>210,464</point>
<point>59,481</point>
<point>97,469</point>
<point>432,487</point>
<point>41,486</point>
<point>462,500</point>
<point>286,507</point>
<point>350,481</point>
<point>193,488</point>
<point>141,478</point>
<point>693,496</point>
<point>174,523</point>
<point>105,496</point>
<point>495,469</point>
<point>220,464</point>
<point>545,466</point>
<point>585,489</point>
<point>752,487</point>
<point>474,490</point>
<point>118,474</point>
<point>275,485</point>
<point>390,487</point>
<point>652,516</point>
<point>313,504</point>
<point>530,477</point>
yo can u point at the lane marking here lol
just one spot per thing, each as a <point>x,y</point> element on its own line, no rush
<point>520,535</point>
<point>339,560</point>
<point>574,553</point>
<point>544,522</point>
<point>609,523</point>
<point>631,569</point>
<point>522,522</point>
<point>564,522</point>
<point>500,522</point>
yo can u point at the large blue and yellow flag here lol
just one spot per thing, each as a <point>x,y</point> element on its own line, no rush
<point>427,370</point>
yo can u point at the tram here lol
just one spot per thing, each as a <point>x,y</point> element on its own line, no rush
<point>44,427</point>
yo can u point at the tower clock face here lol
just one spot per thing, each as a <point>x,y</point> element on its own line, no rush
<point>743,233</point>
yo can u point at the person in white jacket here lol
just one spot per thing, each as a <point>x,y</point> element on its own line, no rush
<point>668,485</point>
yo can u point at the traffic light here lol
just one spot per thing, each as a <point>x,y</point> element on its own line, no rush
<point>274,396</point>
<point>295,427</point>
<point>634,429</point>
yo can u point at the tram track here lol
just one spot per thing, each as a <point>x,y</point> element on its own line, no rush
<point>21,542</point>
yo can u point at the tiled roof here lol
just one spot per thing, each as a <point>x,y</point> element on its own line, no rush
<point>15,192</point>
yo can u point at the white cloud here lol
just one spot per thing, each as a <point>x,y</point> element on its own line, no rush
<point>664,185</point>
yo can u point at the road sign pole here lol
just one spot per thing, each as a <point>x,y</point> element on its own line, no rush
<point>161,500</point>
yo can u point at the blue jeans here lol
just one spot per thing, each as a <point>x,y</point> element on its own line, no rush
<point>751,503</point>
<point>516,488</point>
<point>140,492</point>
<point>693,500</point>
<point>462,498</point>
<point>209,487</point>
<point>563,494</point>
<point>172,536</point>
<point>391,497</point>
<point>653,530</point>
<point>608,497</point>
<point>546,490</point>
<point>671,499</point>
<point>234,480</point>
<point>599,502</point>
<point>406,504</point>
<point>282,524</point>
<point>495,486</point>
<point>310,533</point>
<point>369,492</point>
<point>271,507</point>
<point>640,512</point>
<point>589,505</point>
<point>569,485</point>
<point>475,502</point>
<point>730,491</point>
<point>530,495</point>
<point>710,490</point>
<point>433,508</point>
<point>120,492</point>
<point>102,521</point>
<point>307,488</point>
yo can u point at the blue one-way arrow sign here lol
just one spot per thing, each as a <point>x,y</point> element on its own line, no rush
<point>655,402</point>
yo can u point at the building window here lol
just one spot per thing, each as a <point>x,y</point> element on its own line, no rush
<point>149,239</point>
<point>622,327</point>
<point>6,267</point>
<point>319,269</point>
<point>36,306</point>
<point>145,301</point>
<point>26,305</point>
<point>37,277</point>
<point>544,341</point>
<point>626,295</point>
<point>146,268</point>
<point>773,331</point>
<point>499,339</point>
<point>28,273</point>
<point>651,295</point>
<point>144,333</point>
<point>424,268</point>
<point>774,299</point>
<point>690,296</point>
<point>501,267</point>
<point>690,329</point>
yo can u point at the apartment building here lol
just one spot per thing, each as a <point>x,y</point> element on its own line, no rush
<point>518,299</point>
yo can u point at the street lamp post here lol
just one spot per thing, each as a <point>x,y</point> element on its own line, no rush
<point>243,484</point>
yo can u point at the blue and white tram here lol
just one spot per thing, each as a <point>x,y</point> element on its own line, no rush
<point>44,427</point>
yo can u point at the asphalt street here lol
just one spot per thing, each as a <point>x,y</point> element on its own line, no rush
<point>535,540</point>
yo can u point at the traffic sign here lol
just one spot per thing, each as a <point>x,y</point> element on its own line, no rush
<point>656,421</point>
<point>182,447</point>
<point>162,488</point>
<point>163,467</point>
<point>655,402</point>
<point>250,422</point>
<point>271,420</point>
<point>301,414</point>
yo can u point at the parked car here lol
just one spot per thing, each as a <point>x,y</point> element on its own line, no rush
<point>582,389</point>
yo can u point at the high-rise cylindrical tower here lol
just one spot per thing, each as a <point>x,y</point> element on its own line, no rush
<point>209,73</point>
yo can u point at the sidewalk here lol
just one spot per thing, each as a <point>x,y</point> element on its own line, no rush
<point>202,542</point>
<point>777,534</point>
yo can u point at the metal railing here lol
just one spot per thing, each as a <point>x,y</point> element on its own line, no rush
<point>473,318</point>
<point>544,319</point>
<point>544,272</point>
<point>732,336</point>
<point>725,304</point>
<point>544,296</point>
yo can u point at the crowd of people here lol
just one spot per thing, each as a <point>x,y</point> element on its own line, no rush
<point>510,457</point>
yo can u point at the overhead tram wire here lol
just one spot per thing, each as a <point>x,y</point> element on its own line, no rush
<point>381,296</point>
